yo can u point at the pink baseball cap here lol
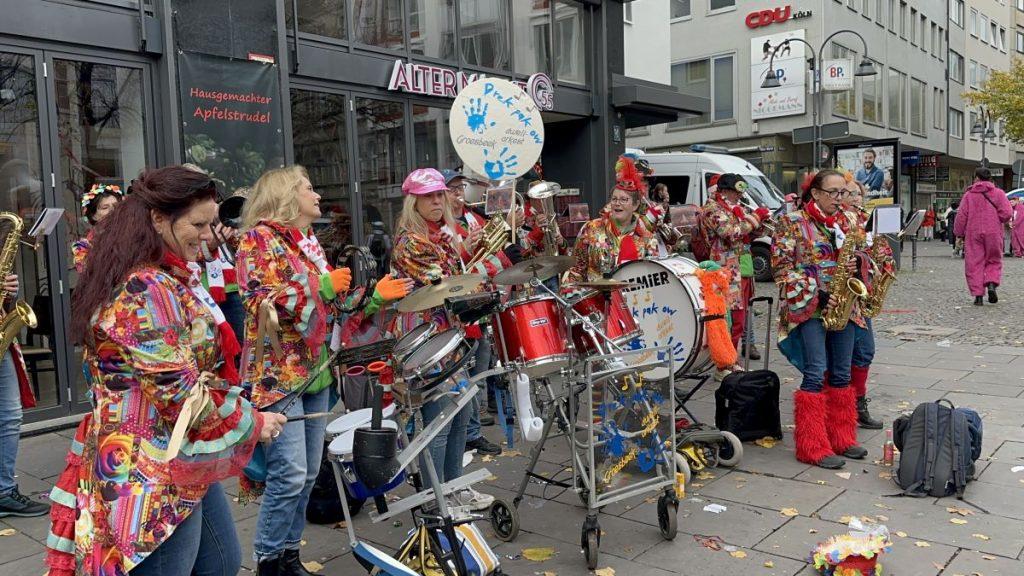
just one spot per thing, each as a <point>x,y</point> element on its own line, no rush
<point>423,181</point>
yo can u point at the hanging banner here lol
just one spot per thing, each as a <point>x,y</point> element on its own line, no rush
<point>788,66</point>
<point>231,117</point>
<point>496,129</point>
<point>837,75</point>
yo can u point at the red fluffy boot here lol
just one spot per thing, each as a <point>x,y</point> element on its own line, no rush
<point>859,383</point>
<point>812,446</point>
<point>842,422</point>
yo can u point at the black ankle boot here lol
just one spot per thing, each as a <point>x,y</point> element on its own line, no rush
<point>864,419</point>
<point>271,567</point>
<point>292,566</point>
<point>992,296</point>
<point>979,301</point>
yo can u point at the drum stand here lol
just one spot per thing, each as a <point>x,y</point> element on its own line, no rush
<point>581,377</point>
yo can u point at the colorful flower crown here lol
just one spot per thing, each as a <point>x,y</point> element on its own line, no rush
<point>98,189</point>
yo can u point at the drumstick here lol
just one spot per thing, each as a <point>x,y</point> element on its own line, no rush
<point>310,416</point>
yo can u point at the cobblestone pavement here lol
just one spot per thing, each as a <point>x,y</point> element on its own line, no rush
<point>980,365</point>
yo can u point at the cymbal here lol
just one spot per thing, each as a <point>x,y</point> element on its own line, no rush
<point>433,295</point>
<point>541,267</point>
<point>605,284</point>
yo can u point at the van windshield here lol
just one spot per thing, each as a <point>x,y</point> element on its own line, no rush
<point>763,192</point>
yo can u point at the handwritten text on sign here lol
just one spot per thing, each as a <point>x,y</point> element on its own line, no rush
<point>496,129</point>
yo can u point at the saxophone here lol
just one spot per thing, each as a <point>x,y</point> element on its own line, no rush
<point>845,287</point>
<point>881,281</point>
<point>13,322</point>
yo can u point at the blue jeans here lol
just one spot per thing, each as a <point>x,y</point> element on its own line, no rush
<point>825,351</point>
<point>447,447</point>
<point>205,544</point>
<point>484,354</point>
<point>10,423</point>
<point>864,345</point>
<point>235,314</point>
<point>293,462</point>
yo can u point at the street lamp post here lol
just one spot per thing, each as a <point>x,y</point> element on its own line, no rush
<point>771,80</point>
<point>983,130</point>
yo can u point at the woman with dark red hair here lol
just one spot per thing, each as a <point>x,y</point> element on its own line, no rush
<point>141,492</point>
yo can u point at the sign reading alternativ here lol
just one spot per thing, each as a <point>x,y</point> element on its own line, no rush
<point>231,117</point>
<point>496,129</point>
<point>788,66</point>
<point>430,80</point>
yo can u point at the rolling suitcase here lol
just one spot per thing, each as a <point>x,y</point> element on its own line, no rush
<point>747,403</point>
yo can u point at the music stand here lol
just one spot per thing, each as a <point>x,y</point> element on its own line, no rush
<point>911,229</point>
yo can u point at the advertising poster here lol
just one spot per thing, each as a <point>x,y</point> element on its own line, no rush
<point>231,117</point>
<point>790,68</point>
<point>876,164</point>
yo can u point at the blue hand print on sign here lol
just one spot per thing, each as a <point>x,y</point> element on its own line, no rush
<point>504,164</point>
<point>677,348</point>
<point>476,115</point>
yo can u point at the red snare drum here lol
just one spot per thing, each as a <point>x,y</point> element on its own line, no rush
<point>531,331</point>
<point>614,319</point>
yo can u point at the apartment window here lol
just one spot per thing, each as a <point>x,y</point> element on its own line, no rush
<point>484,33</point>
<point>1020,40</point>
<point>1002,39</point>
<point>711,78</point>
<point>844,103</point>
<point>941,47</point>
<point>918,91</point>
<point>956,123</point>
<point>1020,5</point>
<point>872,96</point>
<point>866,9</point>
<point>879,12</point>
<point>983,28</point>
<point>570,58</point>
<point>956,11</point>
<point>851,4</point>
<point>680,9</point>
<point>938,108</point>
<point>903,19</point>
<point>934,37</point>
<point>956,66</point>
<point>972,119</point>
<point>982,74</point>
<point>897,100</point>
<point>722,4</point>
<point>627,13</point>
<point>913,26</point>
<point>973,23</point>
<point>892,15</point>
<point>923,30</point>
<point>972,74</point>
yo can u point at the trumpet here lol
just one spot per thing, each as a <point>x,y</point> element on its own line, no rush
<point>496,235</point>
<point>545,192</point>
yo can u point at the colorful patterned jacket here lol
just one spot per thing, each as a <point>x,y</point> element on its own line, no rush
<point>80,249</point>
<point>803,259</point>
<point>597,249</point>
<point>144,355</point>
<point>271,265</point>
<point>728,238</point>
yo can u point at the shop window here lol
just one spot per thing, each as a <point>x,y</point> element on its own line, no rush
<point>918,90</point>
<point>532,33</point>
<point>320,17</point>
<point>432,144</point>
<point>844,103</point>
<point>569,56</point>
<point>320,142</point>
<point>432,28</point>
<point>897,100</point>
<point>382,166</point>
<point>484,33</point>
<point>871,97</point>
<point>378,23</point>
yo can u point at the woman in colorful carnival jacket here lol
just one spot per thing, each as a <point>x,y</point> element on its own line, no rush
<point>99,201</point>
<point>287,286</point>
<point>141,491</point>
<point>804,248</point>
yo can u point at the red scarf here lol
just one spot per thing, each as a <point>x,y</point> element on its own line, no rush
<point>628,250</point>
<point>816,214</point>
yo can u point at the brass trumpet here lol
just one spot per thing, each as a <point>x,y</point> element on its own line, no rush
<point>545,192</point>
<point>497,234</point>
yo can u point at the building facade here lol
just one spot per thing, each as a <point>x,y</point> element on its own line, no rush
<point>912,46</point>
<point>358,92</point>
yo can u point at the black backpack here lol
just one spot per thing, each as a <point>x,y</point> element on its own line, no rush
<point>747,403</point>
<point>938,445</point>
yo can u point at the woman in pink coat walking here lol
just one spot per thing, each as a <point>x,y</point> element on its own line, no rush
<point>1017,228</point>
<point>983,212</point>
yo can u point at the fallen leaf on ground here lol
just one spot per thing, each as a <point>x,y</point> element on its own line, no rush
<point>960,511</point>
<point>843,475</point>
<point>8,532</point>
<point>845,519</point>
<point>511,453</point>
<point>766,442</point>
<point>790,512</point>
<point>885,475</point>
<point>822,482</point>
<point>539,554</point>
<point>487,458</point>
<point>920,544</point>
<point>705,475</point>
<point>901,534</point>
<point>812,531</point>
<point>548,573</point>
<point>960,521</point>
<point>769,564</point>
<point>882,506</point>
<point>492,478</point>
<point>938,566</point>
<point>313,566</point>
<point>302,542</point>
<point>981,537</point>
<point>609,571</point>
<point>987,557</point>
<point>341,525</point>
<point>882,518</point>
<point>738,554</point>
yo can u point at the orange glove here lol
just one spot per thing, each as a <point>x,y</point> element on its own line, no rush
<point>341,279</point>
<point>391,289</point>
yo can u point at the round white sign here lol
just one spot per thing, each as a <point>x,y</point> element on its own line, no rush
<point>496,129</point>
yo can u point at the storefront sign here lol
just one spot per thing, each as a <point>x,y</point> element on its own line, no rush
<point>788,66</point>
<point>430,80</point>
<point>496,128</point>
<point>837,75</point>
<point>760,18</point>
<point>231,119</point>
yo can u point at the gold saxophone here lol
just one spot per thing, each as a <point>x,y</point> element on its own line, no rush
<point>13,322</point>
<point>844,286</point>
<point>881,281</point>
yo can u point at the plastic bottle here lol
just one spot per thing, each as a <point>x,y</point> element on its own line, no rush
<point>888,449</point>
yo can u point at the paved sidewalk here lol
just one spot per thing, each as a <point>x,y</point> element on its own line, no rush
<point>962,367</point>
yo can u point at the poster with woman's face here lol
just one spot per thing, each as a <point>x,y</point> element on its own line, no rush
<point>872,166</point>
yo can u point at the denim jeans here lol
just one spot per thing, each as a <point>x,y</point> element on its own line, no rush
<point>484,353</point>
<point>235,314</point>
<point>447,447</point>
<point>293,462</point>
<point>825,351</point>
<point>864,345</point>
<point>205,544</point>
<point>10,423</point>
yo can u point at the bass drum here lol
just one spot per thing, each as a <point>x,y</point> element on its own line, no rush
<point>667,306</point>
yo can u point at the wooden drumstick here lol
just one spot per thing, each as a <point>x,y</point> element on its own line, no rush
<point>310,416</point>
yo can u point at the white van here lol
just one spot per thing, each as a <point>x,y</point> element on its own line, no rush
<point>687,175</point>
